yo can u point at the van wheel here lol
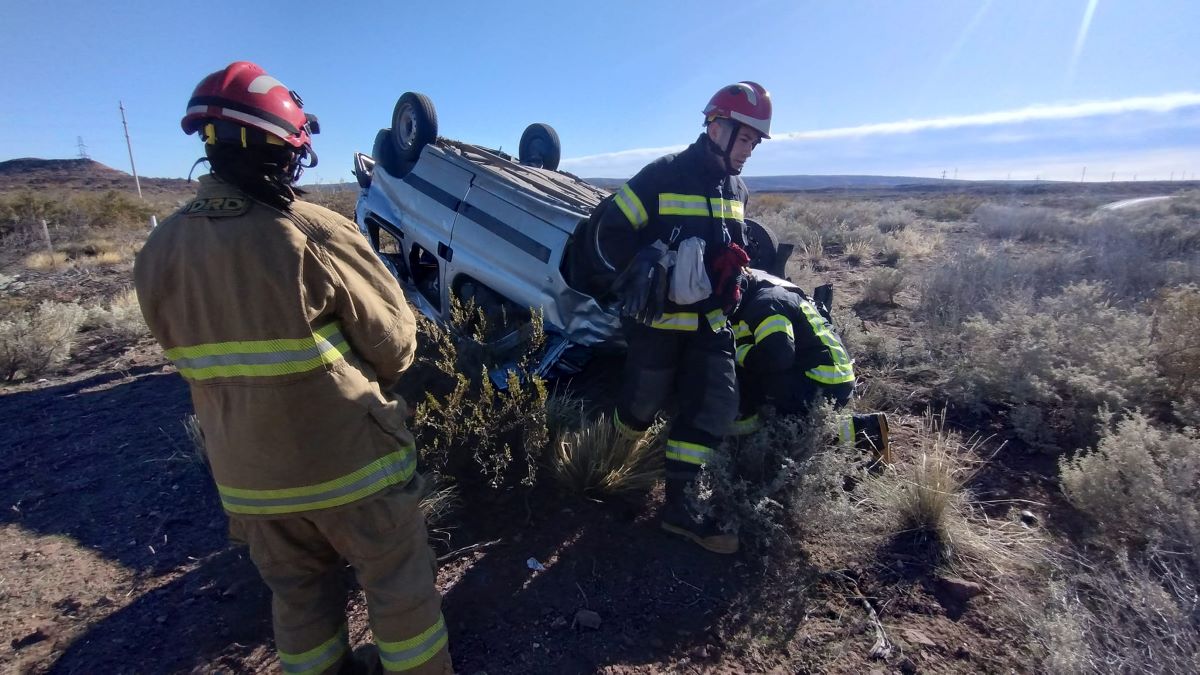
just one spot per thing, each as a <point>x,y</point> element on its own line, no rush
<point>762,245</point>
<point>414,124</point>
<point>540,147</point>
<point>385,154</point>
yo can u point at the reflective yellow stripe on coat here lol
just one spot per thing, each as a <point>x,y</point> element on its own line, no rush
<point>727,208</point>
<point>672,204</point>
<point>842,369</point>
<point>627,200</point>
<point>261,358</point>
<point>395,468</point>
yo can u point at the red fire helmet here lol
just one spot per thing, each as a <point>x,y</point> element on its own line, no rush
<point>745,102</point>
<point>243,93</point>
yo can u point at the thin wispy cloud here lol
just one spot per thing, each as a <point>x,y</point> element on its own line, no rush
<point>1088,125</point>
<point>1160,104</point>
<point>1081,37</point>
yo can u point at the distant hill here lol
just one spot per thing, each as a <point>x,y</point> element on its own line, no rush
<point>792,183</point>
<point>81,174</point>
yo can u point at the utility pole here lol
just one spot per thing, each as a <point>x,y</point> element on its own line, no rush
<point>82,148</point>
<point>1083,174</point>
<point>943,174</point>
<point>1172,176</point>
<point>956,173</point>
<point>129,144</point>
<point>1114,178</point>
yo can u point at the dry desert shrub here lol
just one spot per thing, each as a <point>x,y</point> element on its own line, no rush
<point>1176,335</point>
<point>893,221</point>
<point>33,342</point>
<point>980,281</point>
<point>1025,223</point>
<point>787,477</point>
<point>1118,617</point>
<point>595,459</point>
<point>948,208</point>
<point>122,318</point>
<point>883,285</point>
<point>1055,362</point>
<point>1140,485</point>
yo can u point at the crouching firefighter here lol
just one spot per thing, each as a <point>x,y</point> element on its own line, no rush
<point>289,332</point>
<point>789,356</point>
<point>676,232</point>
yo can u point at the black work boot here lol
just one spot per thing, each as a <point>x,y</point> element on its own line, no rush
<point>678,518</point>
<point>871,435</point>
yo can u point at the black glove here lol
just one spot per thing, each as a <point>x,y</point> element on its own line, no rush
<point>642,287</point>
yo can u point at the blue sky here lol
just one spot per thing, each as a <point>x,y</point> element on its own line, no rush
<point>987,88</point>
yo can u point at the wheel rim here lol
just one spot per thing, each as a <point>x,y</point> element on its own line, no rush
<point>408,126</point>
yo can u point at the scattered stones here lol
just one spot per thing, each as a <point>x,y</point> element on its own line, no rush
<point>558,622</point>
<point>959,589</point>
<point>962,652</point>
<point>907,666</point>
<point>917,637</point>
<point>586,618</point>
<point>1029,518</point>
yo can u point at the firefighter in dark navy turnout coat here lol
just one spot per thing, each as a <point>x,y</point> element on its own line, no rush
<point>676,232</point>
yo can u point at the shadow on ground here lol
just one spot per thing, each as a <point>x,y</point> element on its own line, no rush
<point>106,462</point>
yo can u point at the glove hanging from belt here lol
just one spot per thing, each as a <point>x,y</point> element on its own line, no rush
<point>642,287</point>
<point>726,269</point>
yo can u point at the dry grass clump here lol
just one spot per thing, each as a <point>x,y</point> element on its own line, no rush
<point>439,502</point>
<point>883,285</point>
<point>191,427</point>
<point>33,342</point>
<point>45,261</point>
<point>915,244</point>
<point>596,459</point>
<point>922,501</point>
<point>859,250</point>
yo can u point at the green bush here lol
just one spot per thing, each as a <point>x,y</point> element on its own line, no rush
<point>466,426</point>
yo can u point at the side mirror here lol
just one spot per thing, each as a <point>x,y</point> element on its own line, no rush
<point>363,167</point>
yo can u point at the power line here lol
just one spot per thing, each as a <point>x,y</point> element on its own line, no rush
<point>83,153</point>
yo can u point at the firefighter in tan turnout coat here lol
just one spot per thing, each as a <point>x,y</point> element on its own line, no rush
<point>289,332</point>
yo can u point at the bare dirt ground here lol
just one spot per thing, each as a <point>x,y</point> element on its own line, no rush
<point>114,559</point>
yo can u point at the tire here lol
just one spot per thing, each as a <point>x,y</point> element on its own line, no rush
<point>540,147</point>
<point>414,124</point>
<point>762,245</point>
<point>385,155</point>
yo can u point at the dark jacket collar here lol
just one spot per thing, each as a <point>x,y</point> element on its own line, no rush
<point>701,155</point>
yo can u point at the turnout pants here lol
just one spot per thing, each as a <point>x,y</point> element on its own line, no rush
<point>384,539</point>
<point>697,367</point>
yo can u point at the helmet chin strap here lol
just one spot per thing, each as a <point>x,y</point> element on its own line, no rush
<point>726,153</point>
